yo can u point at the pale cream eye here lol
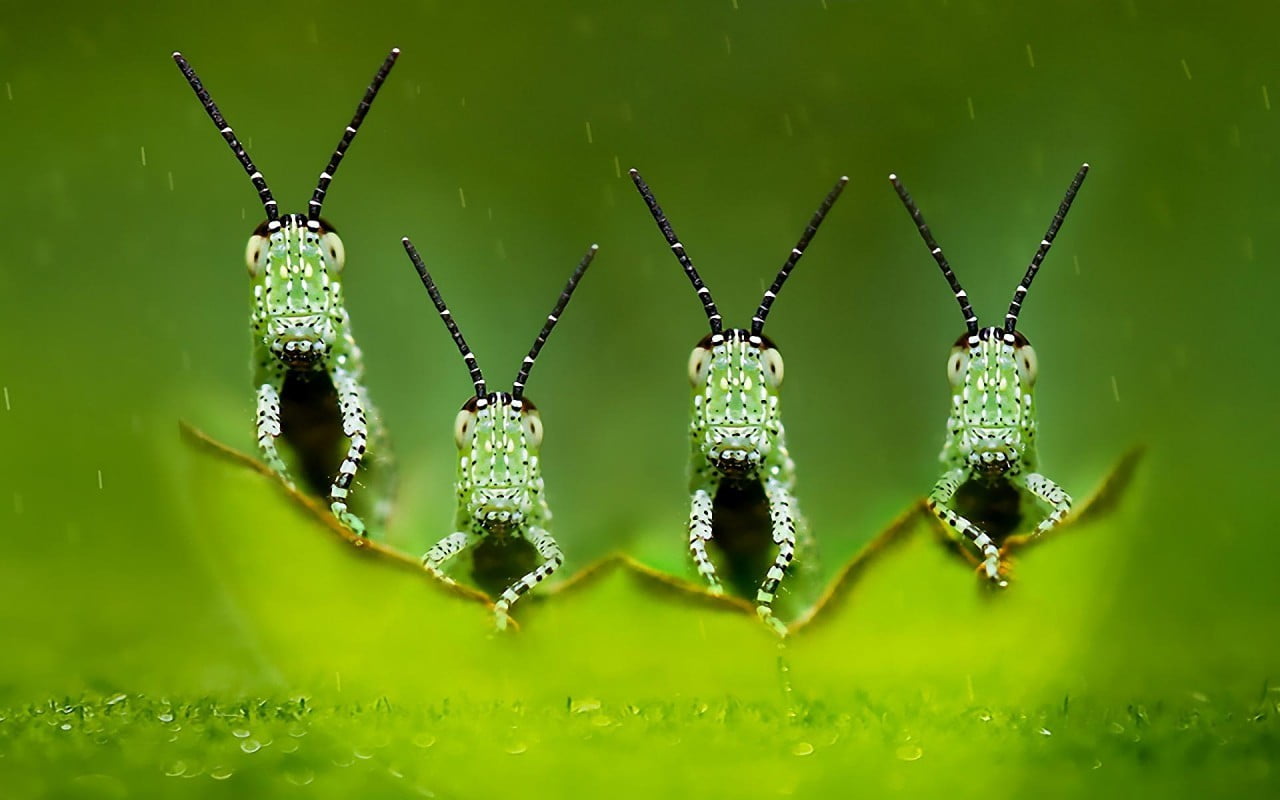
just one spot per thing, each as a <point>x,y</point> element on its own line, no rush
<point>463,426</point>
<point>699,365</point>
<point>957,364</point>
<point>1028,366</point>
<point>532,423</point>
<point>771,361</point>
<point>255,255</point>
<point>334,253</point>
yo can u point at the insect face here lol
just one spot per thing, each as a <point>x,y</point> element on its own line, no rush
<point>992,377</point>
<point>498,438</point>
<point>735,378</point>
<point>294,265</point>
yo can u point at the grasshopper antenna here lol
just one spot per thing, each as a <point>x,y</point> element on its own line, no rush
<point>704,294</point>
<point>210,107</point>
<point>1020,293</point>
<point>517,388</point>
<point>970,319</point>
<point>757,322</point>
<point>477,377</point>
<point>317,198</point>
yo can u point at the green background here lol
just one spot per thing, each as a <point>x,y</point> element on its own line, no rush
<point>500,143</point>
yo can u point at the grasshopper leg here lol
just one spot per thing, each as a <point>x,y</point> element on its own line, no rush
<point>783,520</point>
<point>700,513</point>
<point>944,491</point>
<point>1050,494</point>
<point>553,558</point>
<point>355,427</point>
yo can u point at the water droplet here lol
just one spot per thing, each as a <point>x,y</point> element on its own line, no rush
<point>424,740</point>
<point>363,753</point>
<point>517,748</point>
<point>584,705</point>
<point>117,698</point>
<point>802,749</point>
<point>221,773</point>
<point>1045,732</point>
<point>240,733</point>
<point>300,778</point>
<point>910,752</point>
<point>66,726</point>
<point>166,717</point>
<point>175,769</point>
<point>251,745</point>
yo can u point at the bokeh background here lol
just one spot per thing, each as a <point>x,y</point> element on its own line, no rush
<point>500,143</point>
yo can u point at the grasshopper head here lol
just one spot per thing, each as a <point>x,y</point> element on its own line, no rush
<point>498,439</point>
<point>992,379</point>
<point>294,265</point>
<point>735,377</point>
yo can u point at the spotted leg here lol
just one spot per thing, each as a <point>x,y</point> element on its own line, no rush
<point>553,558</point>
<point>783,521</point>
<point>269,426</point>
<point>1050,494</point>
<point>700,513</point>
<point>944,491</point>
<point>356,428</point>
<point>445,549</point>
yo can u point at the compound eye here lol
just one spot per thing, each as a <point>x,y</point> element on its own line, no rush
<point>255,255</point>
<point>699,366</point>
<point>335,254</point>
<point>463,426</point>
<point>957,364</point>
<point>771,360</point>
<point>532,422</point>
<point>1028,365</point>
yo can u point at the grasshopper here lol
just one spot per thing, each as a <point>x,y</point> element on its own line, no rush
<point>990,450</point>
<point>740,469</point>
<point>307,369</point>
<point>502,513</point>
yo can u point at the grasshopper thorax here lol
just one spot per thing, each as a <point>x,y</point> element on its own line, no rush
<point>294,264</point>
<point>735,376</point>
<point>992,375</point>
<point>498,438</point>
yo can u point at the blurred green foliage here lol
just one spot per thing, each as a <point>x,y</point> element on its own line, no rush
<point>501,145</point>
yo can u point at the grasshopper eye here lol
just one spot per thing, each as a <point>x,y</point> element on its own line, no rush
<point>957,364</point>
<point>771,360</point>
<point>1028,365</point>
<point>463,426</point>
<point>699,365</point>
<point>335,254</point>
<point>255,255</point>
<point>532,423</point>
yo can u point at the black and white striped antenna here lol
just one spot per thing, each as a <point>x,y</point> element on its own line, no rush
<point>757,322</point>
<point>704,294</point>
<point>522,377</point>
<point>1020,293</point>
<point>966,308</point>
<point>477,377</point>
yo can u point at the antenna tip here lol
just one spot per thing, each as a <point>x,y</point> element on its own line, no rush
<point>595,247</point>
<point>633,172</point>
<point>1085,165</point>
<point>177,54</point>
<point>395,51</point>
<point>893,176</point>
<point>844,179</point>
<point>405,240</point>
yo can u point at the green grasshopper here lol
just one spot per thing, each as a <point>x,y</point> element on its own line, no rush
<point>739,466</point>
<point>307,368</point>
<point>990,449</point>
<point>502,515</point>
